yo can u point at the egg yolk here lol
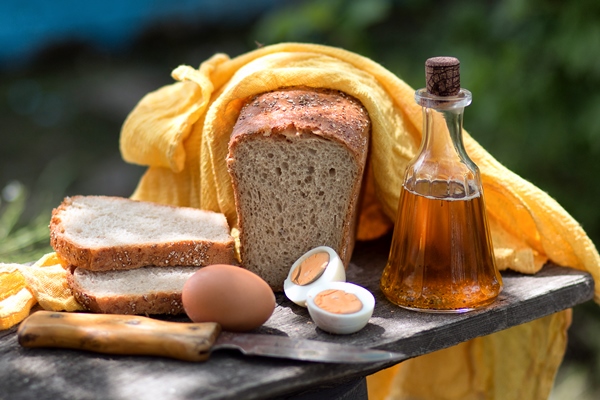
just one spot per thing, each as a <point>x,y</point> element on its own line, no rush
<point>310,269</point>
<point>338,301</point>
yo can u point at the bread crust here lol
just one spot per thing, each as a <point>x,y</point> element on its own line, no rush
<point>122,257</point>
<point>328,113</point>
<point>306,112</point>
<point>148,304</point>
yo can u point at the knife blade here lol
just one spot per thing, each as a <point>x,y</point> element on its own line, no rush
<point>137,335</point>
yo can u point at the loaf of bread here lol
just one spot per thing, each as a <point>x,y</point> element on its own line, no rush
<point>147,290</point>
<point>296,160</point>
<point>101,233</point>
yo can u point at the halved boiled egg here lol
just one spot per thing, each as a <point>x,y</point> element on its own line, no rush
<point>340,307</point>
<point>316,267</point>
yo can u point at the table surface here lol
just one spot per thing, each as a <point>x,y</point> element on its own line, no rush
<point>69,374</point>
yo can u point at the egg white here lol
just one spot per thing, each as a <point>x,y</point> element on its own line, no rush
<point>341,323</point>
<point>334,272</point>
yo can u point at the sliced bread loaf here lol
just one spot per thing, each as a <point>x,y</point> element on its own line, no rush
<point>102,233</point>
<point>147,290</point>
<point>296,160</point>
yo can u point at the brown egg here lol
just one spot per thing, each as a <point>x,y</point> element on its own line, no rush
<point>234,297</point>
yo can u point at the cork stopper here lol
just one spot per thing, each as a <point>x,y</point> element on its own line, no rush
<point>443,76</point>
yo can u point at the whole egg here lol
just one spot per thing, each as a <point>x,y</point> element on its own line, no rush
<point>232,296</point>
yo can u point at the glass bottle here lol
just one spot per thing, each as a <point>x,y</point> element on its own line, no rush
<point>441,257</point>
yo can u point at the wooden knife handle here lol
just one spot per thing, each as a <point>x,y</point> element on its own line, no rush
<point>119,334</point>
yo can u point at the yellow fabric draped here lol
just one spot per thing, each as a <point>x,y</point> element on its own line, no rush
<point>181,133</point>
<point>528,226</point>
<point>22,286</point>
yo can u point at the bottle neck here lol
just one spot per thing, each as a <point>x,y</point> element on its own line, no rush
<point>442,134</point>
<point>442,125</point>
<point>442,156</point>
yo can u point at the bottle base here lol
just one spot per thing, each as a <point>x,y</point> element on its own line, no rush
<point>460,310</point>
<point>434,311</point>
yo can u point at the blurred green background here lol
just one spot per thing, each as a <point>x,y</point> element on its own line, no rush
<point>533,68</point>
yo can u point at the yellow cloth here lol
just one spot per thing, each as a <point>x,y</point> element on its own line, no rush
<point>181,132</point>
<point>490,367</point>
<point>23,286</point>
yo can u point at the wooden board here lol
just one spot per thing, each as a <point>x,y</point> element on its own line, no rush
<point>66,374</point>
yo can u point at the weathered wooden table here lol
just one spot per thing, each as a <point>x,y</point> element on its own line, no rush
<point>66,374</point>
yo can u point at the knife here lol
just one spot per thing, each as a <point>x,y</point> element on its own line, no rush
<point>137,335</point>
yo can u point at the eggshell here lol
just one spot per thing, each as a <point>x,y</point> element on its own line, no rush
<point>232,296</point>
<point>334,271</point>
<point>341,323</point>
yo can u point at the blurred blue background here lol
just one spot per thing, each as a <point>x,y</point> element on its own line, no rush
<point>28,27</point>
<point>71,71</point>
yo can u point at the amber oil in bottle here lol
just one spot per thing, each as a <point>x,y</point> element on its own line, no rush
<point>441,257</point>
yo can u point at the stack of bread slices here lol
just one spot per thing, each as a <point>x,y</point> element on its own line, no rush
<point>133,257</point>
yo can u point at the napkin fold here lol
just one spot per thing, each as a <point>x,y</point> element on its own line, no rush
<point>24,286</point>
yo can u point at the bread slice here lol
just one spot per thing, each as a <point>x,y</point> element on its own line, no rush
<point>147,290</point>
<point>102,233</point>
<point>296,160</point>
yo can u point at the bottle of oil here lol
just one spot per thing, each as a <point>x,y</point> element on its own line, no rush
<point>441,258</point>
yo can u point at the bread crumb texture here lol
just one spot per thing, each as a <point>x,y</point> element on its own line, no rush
<point>94,221</point>
<point>148,290</point>
<point>110,233</point>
